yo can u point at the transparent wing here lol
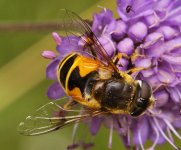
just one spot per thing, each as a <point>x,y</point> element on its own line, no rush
<point>75,25</point>
<point>51,117</point>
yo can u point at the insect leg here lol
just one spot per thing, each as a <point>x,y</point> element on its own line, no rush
<point>118,57</point>
<point>136,69</point>
<point>133,70</point>
<point>69,104</point>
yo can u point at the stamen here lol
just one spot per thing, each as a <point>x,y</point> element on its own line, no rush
<point>114,31</point>
<point>102,7</point>
<point>169,134</point>
<point>74,131</point>
<point>157,135</point>
<point>76,127</point>
<point>104,30</point>
<point>172,128</point>
<point>154,113</point>
<point>156,21</point>
<point>140,140</point>
<point>164,135</point>
<point>111,134</point>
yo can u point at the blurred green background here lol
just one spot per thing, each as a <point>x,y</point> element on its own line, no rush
<point>22,71</point>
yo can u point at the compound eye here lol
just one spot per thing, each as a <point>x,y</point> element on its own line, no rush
<point>137,111</point>
<point>141,102</point>
<point>140,107</point>
<point>145,90</point>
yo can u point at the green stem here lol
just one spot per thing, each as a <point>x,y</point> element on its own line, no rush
<point>29,26</point>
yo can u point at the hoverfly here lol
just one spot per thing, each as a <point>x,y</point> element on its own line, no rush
<point>93,82</point>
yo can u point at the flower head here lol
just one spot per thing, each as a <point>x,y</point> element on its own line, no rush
<point>148,30</point>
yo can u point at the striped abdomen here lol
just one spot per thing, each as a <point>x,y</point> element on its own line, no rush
<point>74,73</point>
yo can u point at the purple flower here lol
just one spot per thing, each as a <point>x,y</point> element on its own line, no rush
<point>64,46</point>
<point>149,32</point>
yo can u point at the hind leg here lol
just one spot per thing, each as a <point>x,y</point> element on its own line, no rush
<point>69,104</point>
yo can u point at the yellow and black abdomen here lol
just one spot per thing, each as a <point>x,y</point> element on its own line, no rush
<point>74,73</point>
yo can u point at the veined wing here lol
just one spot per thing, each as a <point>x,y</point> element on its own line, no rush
<point>51,117</point>
<point>75,25</point>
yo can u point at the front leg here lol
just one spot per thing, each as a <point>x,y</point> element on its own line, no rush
<point>118,57</point>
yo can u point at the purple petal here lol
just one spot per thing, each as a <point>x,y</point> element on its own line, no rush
<point>68,44</point>
<point>172,59</point>
<point>163,4</point>
<point>174,16</point>
<point>126,46</point>
<point>175,94</point>
<point>165,75</point>
<point>175,5</point>
<point>51,70</point>
<point>55,91</point>
<point>168,32</point>
<point>125,141</point>
<point>153,38</point>
<point>143,62</point>
<point>48,54</point>
<point>177,123</point>
<point>162,97</point>
<point>176,68</point>
<point>123,64</point>
<point>147,73</point>
<point>117,29</point>
<point>171,45</point>
<point>138,31</point>
<point>57,38</point>
<point>153,81</point>
<point>101,20</point>
<point>152,44</point>
<point>161,139</point>
<point>95,125</point>
<point>161,14</point>
<point>177,81</point>
<point>108,44</point>
<point>142,129</point>
<point>152,20</point>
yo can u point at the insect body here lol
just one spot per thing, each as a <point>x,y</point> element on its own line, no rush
<point>98,87</point>
<point>94,82</point>
<point>128,8</point>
